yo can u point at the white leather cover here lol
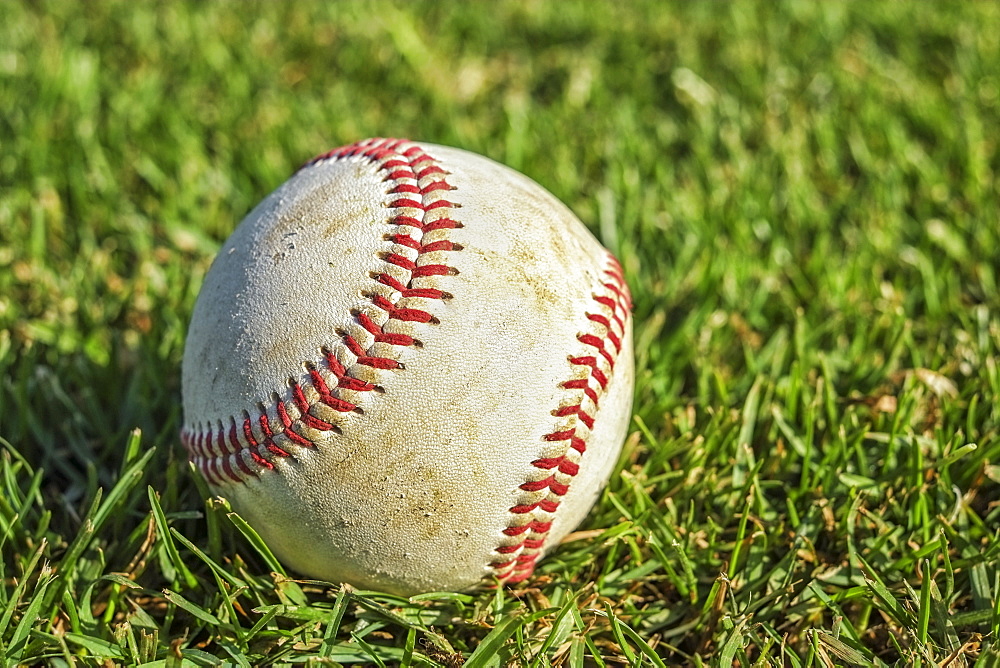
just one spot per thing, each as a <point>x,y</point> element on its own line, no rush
<point>409,369</point>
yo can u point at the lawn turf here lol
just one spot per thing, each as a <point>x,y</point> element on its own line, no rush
<point>805,200</point>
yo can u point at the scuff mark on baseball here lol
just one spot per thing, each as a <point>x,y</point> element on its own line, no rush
<point>409,369</point>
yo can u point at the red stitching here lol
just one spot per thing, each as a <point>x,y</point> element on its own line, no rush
<point>231,441</point>
<point>406,204</point>
<point>599,319</point>
<point>427,171</point>
<point>591,340</point>
<point>352,344</point>
<point>405,240</point>
<point>400,261</point>
<point>442,224</point>
<point>515,561</point>
<point>410,315</point>
<point>581,384</point>
<point>433,270</point>
<point>595,369</point>
<point>215,454</point>
<point>437,185</point>
<point>248,433</point>
<point>215,451</point>
<point>261,461</point>
<point>379,362</point>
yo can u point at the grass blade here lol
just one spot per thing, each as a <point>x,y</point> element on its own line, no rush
<point>167,541</point>
<point>257,542</point>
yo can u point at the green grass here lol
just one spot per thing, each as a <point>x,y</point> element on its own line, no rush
<point>804,197</point>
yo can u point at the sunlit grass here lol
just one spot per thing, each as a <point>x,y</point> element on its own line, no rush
<point>804,197</point>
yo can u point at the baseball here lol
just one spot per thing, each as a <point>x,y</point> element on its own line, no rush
<point>409,369</point>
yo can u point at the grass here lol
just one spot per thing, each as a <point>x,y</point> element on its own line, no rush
<point>805,200</point>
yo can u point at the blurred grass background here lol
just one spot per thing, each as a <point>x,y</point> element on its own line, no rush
<point>804,197</point>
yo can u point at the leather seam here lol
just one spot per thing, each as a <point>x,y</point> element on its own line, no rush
<point>241,447</point>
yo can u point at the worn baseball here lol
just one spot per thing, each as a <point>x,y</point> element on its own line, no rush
<point>409,369</point>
